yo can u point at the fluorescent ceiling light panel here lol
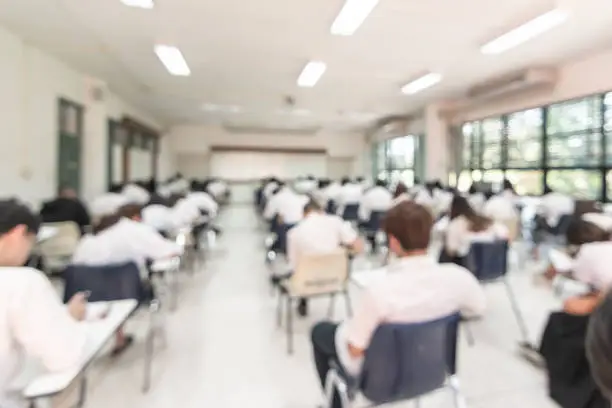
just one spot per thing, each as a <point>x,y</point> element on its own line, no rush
<point>352,15</point>
<point>173,60</point>
<point>422,83</point>
<point>213,107</point>
<point>312,72</point>
<point>525,32</point>
<point>144,4</point>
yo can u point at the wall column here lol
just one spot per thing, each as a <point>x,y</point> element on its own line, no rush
<point>437,146</point>
<point>95,143</point>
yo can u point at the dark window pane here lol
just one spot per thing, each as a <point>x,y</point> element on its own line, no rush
<point>525,139</point>
<point>579,150</point>
<point>492,143</point>
<point>581,184</point>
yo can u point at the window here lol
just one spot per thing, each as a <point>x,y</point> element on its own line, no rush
<point>468,137</point>
<point>527,182</point>
<point>401,152</point>
<point>491,148</point>
<point>494,178</point>
<point>574,150</point>
<point>396,159</point>
<point>581,184</point>
<point>525,139</point>
<point>574,116</point>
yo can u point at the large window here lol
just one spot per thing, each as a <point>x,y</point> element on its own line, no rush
<point>566,145</point>
<point>396,160</point>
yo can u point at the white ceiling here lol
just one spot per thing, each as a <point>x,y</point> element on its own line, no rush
<point>248,53</point>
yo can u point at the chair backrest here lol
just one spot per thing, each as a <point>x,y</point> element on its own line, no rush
<point>373,224</point>
<point>331,207</point>
<point>488,261</point>
<point>404,361</point>
<point>351,212</point>
<point>64,242</point>
<point>108,282</point>
<point>320,274</point>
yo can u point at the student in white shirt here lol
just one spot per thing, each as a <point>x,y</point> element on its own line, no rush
<point>476,198</point>
<point>349,194</point>
<point>33,321</point>
<point>318,233</point>
<point>217,189</point>
<point>136,194</point>
<point>415,289</point>
<point>602,220</point>
<point>271,185</point>
<point>467,226</point>
<point>204,202</point>
<point>108,203</point>
<point>502,208</point>
<point>158,216</point>
<point>287,205</point>
<point>555,205</point>
<point>376,199</point>
<point>331,193</point>
<point>424,196</point>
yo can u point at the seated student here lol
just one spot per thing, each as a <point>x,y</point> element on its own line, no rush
<point>135,193</point>
<point>349,194</point>
<point>271,185</point>
<point>318,233</point>
<point>467,226</point>
<point>602,220</point>
<point>376,199</point>
<point>331,193</point>
<point>553,206</point>
<point>218,189</point>
<point>416,289</point>
<point>502,208</point>
<point>33,321</point>
<point>66,207</point>
<point>400,194</point>
<point>160,217</point>
<point>423,195</point>
<point>599,346</point>
<point>184,212</point>
<point>476,198</point>
<point>108,203</point>
<point>286,205</point>
<point>204,201</point>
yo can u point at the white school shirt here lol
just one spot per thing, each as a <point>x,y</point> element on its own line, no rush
<point>108,204</point>
<point>415,289</point>
<point>592,265</point>
<point>126,241</point>
<point>332,191</point>
<point>305,186</point>
<point>603,221</point>
<point>217,188</point>
<point>34,323</point>
<point>424,198</point>
<point>348,194</point>
<point>375,199</point>
<point>185,213</point>
<point>136,194</point>
<point>269,188</point>
<point>477,201</point>
<point>158,216</point>
<point>442,200</point>
<point>554,205</point>
<point>318,233</point>
<point>459,238</point>
<point>203,201</point>
<point>287,204</point>
<point>501,208</point>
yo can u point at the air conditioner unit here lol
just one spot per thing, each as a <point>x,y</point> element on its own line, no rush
<point>513,83</point>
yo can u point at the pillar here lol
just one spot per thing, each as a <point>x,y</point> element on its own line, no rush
<point>437,146</point>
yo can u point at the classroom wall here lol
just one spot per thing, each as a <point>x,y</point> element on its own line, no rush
<point>31,81</point>
<point>191,144</point>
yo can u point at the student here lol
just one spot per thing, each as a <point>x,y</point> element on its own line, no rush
<point>376,199</point>
<point>66,207</point>
<point>319,233</point>
<point>185,213</point>
<point>331,193</point>
<point>349,194</point>
<point>553,206</point>
<point>424,196</point>
<point>416,289</point>
<point>108,203</point>
<point>159,216</point>
<point>502,208</point>
<point>603,221</point>
<point>286,204</point>
<point>465,227</point>
<point>135,193</point>
<point>218,189</point>
<point>271,185</point>
<point>204,201</point>
<point>476,198</point>
<point>33,321</point>
<point>599,345</point>
<point>400,194</point>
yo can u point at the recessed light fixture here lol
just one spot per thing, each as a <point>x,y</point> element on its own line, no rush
<point>144,4</point>
<point>525,32</point>
<point>352,15</point>
<point>421,83</point>
<point>312,72</point>
<point>173,60</point>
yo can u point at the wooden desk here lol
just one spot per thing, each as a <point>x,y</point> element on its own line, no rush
<point>99,332</point>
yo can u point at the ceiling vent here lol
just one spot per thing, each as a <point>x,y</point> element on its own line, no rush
<point>277,130</point>
<point>513,83</point>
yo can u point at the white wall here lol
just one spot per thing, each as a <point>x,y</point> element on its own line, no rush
<point>31,82</point>
<point>191,145</point>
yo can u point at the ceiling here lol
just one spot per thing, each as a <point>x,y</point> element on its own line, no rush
<point>248,54</point>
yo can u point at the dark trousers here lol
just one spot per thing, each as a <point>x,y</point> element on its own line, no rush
<point>324,349</point>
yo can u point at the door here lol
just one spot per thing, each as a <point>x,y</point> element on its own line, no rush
<point>70,139</point>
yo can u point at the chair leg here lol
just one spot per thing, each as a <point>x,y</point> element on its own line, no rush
<point>458,398</point>
<point>289,325</point>
<point>279,309</point>
<point>517,312</point>
<point>149,347</point>
<point>332,304</point>
<point>347,300</point>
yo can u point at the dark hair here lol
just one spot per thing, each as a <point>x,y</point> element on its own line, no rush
<point>13,213</point>
<point>581,232</point>
<point>345,181</point>
<point>381,183</point>
<point>105,222</point>
<point>312,205</point>
<point>174,198</point>
<point>548,190</point>
<point>115,188</point>
<point>473,189</point>
<point>417,181</point>
<point>400,189</point>
<point>507,185</point>
<point>461,207</point>
<point>130,211</point>
<point>599,345</point>
<point>360,179</point>
<point>410,223</point>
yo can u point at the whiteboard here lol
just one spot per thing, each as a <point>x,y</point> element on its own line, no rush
<point>247,165</point>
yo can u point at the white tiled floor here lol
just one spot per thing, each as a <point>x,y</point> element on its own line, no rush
<point>224,349</point>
